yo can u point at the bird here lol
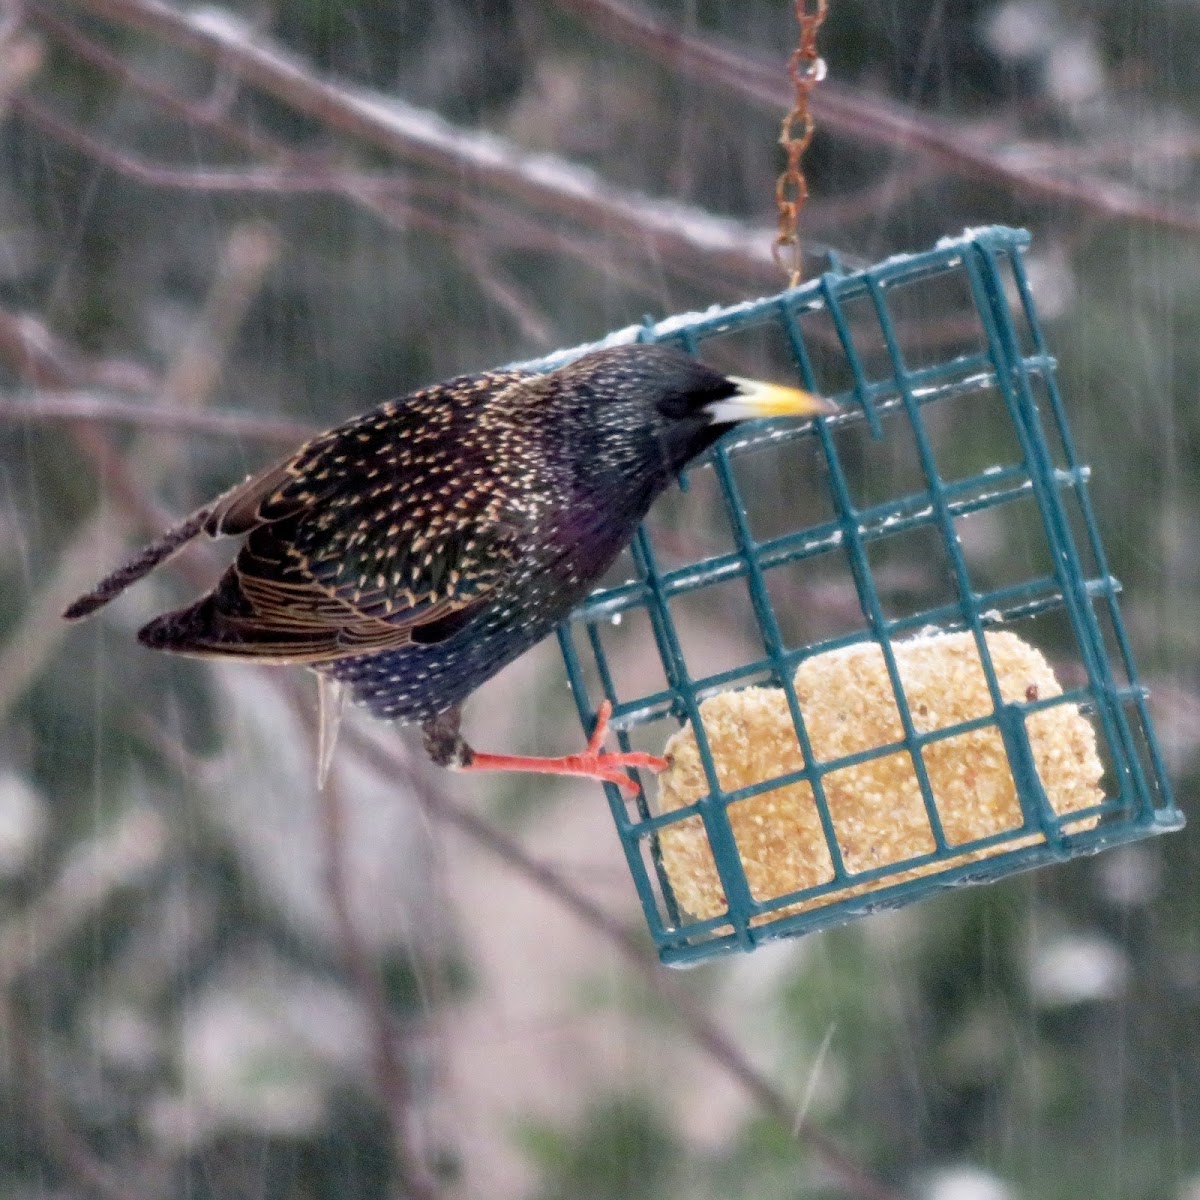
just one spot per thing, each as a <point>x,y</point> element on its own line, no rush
<point>410,553</point>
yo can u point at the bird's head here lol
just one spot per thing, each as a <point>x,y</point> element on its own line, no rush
<point>654,399</point>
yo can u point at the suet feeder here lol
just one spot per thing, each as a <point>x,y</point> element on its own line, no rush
<point>895,728</point>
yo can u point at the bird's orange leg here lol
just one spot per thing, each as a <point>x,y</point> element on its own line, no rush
<point>593,763</point>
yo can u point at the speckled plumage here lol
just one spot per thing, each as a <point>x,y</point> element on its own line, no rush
<point>414,551</point>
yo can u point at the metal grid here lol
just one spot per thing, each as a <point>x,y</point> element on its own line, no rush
<point>887,397</point>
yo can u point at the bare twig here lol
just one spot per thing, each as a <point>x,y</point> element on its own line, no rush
<point>443,209</point>
<point>553,185</point>
<point>198,116</point>
<point>394,764</point>
<point>274,180</point>
<point>392,1079</point>
<point>873,120</point>
<point>37,356</point>
<point>474,224</point>
<point>20,56</point>
<point>89,406</point>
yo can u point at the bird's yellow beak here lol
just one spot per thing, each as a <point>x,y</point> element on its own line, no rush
<point>755,399</point>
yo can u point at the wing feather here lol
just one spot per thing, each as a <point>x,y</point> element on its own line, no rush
<point>392,528</point>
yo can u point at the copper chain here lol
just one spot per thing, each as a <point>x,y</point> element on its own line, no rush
<point>805,69</point>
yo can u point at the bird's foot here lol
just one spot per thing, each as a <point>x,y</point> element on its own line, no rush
<point>594,763</point>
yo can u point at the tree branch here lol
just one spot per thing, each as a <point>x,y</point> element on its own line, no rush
<point>700,1027</point>
<point>551,184</point>
<point>89,406</point>
<point>392,1076</point>
<point>875,121</point>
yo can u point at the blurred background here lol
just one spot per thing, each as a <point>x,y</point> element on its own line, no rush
<point>224,226</point>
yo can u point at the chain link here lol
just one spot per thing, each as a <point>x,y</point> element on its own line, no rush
<point>806,69</point>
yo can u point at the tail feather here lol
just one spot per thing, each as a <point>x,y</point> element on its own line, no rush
<point>157,552</point>
<point>201,627</point>
<point>224,624</point>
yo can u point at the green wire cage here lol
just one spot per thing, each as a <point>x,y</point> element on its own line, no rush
<point>870,528</point>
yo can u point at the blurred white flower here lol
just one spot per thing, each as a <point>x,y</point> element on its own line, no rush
<point>1130,875</point>
<point>22,822</point>
<point>1189,1189</point>
<point>965,1183</point>
<point>1066,55</point>
<point>124,1036</point>
<point>259,1047</point>
<point>1051,280</point>
<point>1019,31</point>
<point>1073,71</point>
<point>1076,968</point>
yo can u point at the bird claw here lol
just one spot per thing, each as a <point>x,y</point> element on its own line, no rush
<point>612,768</point>
<point>594,763</point>
<point>600,729</point>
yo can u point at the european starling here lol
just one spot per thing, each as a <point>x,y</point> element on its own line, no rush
<point>412,552</point>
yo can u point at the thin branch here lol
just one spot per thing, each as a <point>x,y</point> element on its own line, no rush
<point>391,1072</point>
<point>198,116</point>
<point>554,185</point>
<point>20,55</point>
<point>35,355</point>
<point>715,1042</point>
<point>195,115</point>
<point>1156,146</point>
<point>875,121</point>
<point>381,193</point>
<point>42,360</point>
<point>286,181</point>
<point>88,406</point>
<point>477,226</point>
<point>292,172</point>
